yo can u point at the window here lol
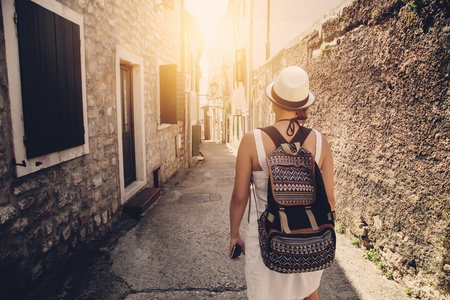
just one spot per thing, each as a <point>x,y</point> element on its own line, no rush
<point>240,63</point>
<point>47,59</point>
<point>171,91</point>
<point>50,73</point>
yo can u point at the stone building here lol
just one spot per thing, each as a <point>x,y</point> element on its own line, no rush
<point>97,101</point>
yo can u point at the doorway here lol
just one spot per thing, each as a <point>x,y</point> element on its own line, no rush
<point>130,124</point>
<point>128,143</point>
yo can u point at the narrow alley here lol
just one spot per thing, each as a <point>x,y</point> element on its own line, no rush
<point>178,250</point>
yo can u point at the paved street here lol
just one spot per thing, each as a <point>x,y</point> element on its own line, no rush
<point>178,250</point>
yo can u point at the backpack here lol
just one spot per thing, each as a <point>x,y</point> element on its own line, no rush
<point>296,231</point>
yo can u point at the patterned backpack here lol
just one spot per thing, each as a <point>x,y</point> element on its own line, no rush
<point>296,231</point>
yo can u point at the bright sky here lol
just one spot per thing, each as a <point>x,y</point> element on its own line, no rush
<point>208,13</point>
<point>285,23</point>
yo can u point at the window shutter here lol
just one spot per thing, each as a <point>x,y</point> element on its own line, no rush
<point>168,93</point>
<point>50,70</point>
<point>180,96</point>
<point>240,63</point>
<point>69,75</point>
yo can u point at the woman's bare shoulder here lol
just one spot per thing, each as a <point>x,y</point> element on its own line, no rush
<point>247,143</point>
<point>327,155</point>
<point>326,145</point>
<point>248,138</point>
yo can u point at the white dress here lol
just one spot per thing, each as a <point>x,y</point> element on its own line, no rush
<point>263,283</point>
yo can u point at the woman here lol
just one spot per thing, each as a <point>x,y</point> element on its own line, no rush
<point>291,98</point>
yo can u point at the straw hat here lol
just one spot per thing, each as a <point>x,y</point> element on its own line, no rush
<point>291,89</point>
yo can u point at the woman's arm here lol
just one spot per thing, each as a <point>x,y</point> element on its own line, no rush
<point>240,194</point>
<point>327,171</point>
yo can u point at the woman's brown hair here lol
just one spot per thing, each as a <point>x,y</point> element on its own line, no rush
<point>302,114</point>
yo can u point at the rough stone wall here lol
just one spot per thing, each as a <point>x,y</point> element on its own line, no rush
<point>380,73</point>
<point>46,215</point>
<point>153,32</point>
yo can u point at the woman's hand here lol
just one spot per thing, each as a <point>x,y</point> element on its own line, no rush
<point>236,240</point>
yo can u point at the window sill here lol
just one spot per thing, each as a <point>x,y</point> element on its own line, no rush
<point>35,164</point>
<point>164,126</point>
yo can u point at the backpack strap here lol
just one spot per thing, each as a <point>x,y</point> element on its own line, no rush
<point>275,135</point>
<point>301,135</point>
<point>318,145</point>
<point>278,139</point>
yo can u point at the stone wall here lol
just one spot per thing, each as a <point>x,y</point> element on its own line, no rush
<point>46,215</point>
<point>380,72</point>
<point>153,32</point>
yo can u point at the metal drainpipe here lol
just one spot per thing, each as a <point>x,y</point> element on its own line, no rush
<point>187,129</point>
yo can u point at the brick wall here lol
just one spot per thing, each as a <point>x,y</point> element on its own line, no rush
<point>380,73</point>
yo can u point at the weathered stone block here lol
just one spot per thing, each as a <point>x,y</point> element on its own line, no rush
<point>82,234</point>
<point>98,220</point>
<point>47,245</point>
<point>105,217</point>
<point>102,205</point>
<point>19,225</point>
<point>97,182</point>
<point>36,270</point>
<point>77,178</point>
<point>62,218</point>
<point>6,213</point>
<point>25,203</point>
<point>115,207</point>
<point>66,233</point>
<point>446,268</point>
<point>97,196</point>
<point>49,209</point>
<point>105,164</point>
<point>26,187</point>
<point>48,227</point>
<point>83,219</point>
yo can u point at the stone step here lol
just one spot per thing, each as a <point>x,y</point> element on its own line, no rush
<point>142,202</point>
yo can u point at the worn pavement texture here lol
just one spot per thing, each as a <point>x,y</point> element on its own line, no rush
<point>179,250</point>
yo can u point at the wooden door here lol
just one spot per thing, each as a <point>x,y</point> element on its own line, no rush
<point>129,160</point>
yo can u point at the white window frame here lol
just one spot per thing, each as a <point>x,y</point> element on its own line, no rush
<point>28,166</point>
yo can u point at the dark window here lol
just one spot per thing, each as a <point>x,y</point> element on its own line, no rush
<point>50,72</point>
<point>171,94</point>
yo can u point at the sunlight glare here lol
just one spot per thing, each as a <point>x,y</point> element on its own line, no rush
<point>208,13</point>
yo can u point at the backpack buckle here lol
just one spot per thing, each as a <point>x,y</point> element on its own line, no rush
<point>331,216</point>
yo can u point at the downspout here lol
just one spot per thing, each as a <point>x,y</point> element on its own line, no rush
<point>187,129</point>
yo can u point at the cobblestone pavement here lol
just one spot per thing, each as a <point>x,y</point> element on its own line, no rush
<point>178,250</point>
